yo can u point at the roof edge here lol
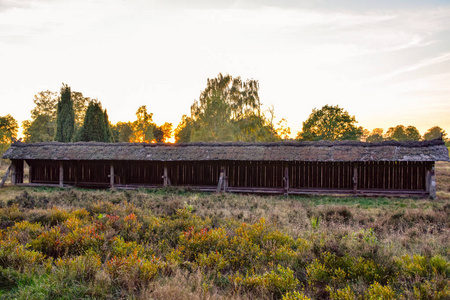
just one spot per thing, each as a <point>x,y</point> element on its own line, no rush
<point>322,143</point>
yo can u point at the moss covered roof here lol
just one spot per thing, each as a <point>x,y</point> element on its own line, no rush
<point>282,151</point>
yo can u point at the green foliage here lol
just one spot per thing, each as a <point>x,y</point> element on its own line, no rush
<point>45,104</point>
<point>295,296</point>
<point>278,281</point>
<point>65,116</point>
<point>377,291</point>
<point>143,126</point>
<point>42,126</point>
<point>375,136</point>
<point>402,133</point>
<point>41,129</point>
<point>435,132</point>
<point>184,129</point>
<point>96,125</point>
<point>142,130</point>
<point>122,132</point>
<point>43,123</point>
<point>213,119</point>
<point>227,110</point>
<point>330,123</point>
<point>8,131</point>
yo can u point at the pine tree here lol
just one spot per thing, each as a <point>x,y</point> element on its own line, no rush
<point>65,120</point>
<point>96,125</point>
<point>107,128</point>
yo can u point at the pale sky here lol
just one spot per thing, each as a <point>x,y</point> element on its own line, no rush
<point>386,63</point>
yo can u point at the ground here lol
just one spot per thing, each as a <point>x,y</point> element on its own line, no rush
<point>102,244</point>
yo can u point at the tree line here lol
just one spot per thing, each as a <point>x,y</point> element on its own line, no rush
<point>228,109</point>
<point>72,117</point>
<point>334,123</point>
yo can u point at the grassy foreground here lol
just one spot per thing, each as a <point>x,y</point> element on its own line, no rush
<point>174,244</point>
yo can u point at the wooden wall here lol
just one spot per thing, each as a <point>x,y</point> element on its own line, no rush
<point>321,175</point>
<point>295,176</point>
<point>194,174</point>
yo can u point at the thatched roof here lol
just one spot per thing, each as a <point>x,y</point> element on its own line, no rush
<point>283,151</point>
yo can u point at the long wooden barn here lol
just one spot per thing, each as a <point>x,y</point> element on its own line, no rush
<point>386,168</point>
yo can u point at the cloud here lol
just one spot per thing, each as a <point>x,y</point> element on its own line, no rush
<point>443,57</point>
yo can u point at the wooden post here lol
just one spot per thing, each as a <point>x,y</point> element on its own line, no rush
<point>13,172</point>
<point>286,180</point>
<point>111,176</point>
<point>225,179</point>
<point>431,181</point>
<point>219,185</point>
<point>355,177</point>
<point>165,177</point>
<point>61,175</point>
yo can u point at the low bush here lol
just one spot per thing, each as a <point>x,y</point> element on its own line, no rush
<point>132,245</point>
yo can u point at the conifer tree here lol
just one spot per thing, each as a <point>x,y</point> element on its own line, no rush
<point>65,120</point>
<point>96,125</point>
<point>108,132</point>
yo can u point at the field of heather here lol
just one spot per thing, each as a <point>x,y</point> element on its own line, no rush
<point>176,244</point>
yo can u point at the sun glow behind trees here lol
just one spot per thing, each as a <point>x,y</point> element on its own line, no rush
<point>228,109</point>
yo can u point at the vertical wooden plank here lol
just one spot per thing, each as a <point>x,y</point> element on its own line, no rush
<point>286,179</point>
<point>61,175</point>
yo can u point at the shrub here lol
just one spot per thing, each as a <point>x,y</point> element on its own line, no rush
<point>203,241</point>
<point>294,296</point>
<point>345,293</point>
<point>132,272</point>
<point>79,268</point>
<point>15,255</point>
<point>121,248</point>
<point>25,231</point>
<point>377,291</point>
<point>277,282</point>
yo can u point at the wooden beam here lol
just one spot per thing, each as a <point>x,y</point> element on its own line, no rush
<point>111,175</point>
<point>6,175</point>
<point>61,175</point>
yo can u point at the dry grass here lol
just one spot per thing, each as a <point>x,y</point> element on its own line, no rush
<point>443,180</point>
<point>400,226</point>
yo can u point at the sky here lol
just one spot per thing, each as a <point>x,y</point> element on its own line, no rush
<point>385,62</point>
